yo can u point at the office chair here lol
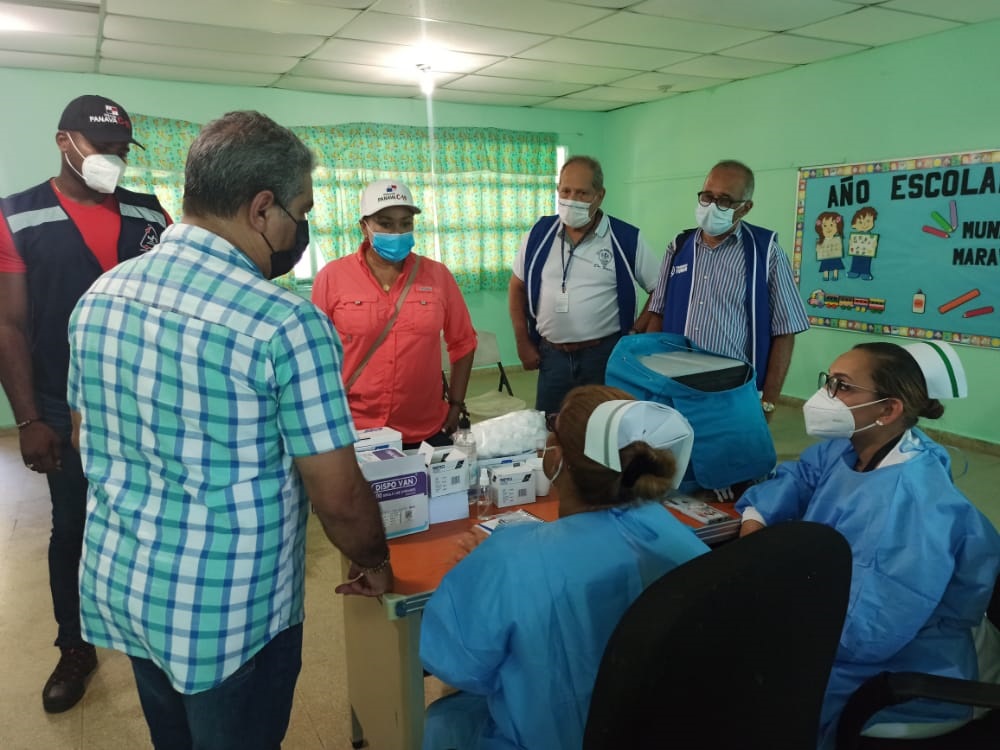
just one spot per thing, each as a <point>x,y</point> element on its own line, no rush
<point>730,650</point>
<point>891,688</point>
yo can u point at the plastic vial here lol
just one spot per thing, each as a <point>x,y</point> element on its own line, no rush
<point>465,441</point>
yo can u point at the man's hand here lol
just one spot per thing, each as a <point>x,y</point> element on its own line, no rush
<point>527,352</point>
<point>749,527</point>
<point>366,584</point>
<point>41,448</point>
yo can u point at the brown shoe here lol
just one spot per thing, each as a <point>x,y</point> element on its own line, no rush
<point>66,685</point>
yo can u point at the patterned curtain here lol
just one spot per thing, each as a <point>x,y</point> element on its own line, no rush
<point>483,188</point>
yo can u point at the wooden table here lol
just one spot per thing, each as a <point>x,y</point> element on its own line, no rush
<point>385,679</point>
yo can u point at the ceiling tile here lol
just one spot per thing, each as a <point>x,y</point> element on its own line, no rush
<point>198,36</point>
<point>262,15</point>
<point>617,94</point>
<point>17,17</point>
<point>65,63</point>
<point>401,57</point>
<point>179,73</point>
<point>56,44</point>
<point>586,105</point>
<point>536,70</point>
<point>353,88</point>
<point>514,86</point>
<point>365,73</point>
<point>536,16</point>
<point>720,66</point>
<point>482,97</point>
<point>385,27</point>
<point>875,26</point>
<point>608,55</point>
<point>796,50</point>
<point>967,11</point>
<point>652,31</point>
<point>194,58</point>
<point>672,82</point>
<point>773,15</point>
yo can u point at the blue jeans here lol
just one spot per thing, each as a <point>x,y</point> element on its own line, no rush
<point>560,372</point>
<point>68,490</point>
<point>249,710</point>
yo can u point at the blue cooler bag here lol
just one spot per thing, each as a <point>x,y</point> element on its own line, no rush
<point>732,442</point>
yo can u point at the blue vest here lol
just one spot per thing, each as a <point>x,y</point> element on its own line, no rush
<point>756,241</point>
<point>624,241</point>
<point>60,268</point>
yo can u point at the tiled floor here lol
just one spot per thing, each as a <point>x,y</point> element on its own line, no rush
<point>109,717</point>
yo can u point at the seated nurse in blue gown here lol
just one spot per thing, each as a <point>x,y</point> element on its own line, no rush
<point>924,558</point>
<point>520,625</point>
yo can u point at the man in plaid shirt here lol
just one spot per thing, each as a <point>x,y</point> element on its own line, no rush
<point>208,405</point>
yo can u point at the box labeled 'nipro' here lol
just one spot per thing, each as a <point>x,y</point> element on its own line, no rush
<point>447,469</point>
<point>511,484</point>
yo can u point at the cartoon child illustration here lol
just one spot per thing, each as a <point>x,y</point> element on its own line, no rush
<point>863,243</point>
<point>830,244</point>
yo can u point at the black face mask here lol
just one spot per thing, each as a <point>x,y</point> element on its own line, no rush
<point>283,261</point>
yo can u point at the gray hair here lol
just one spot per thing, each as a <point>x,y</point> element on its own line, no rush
<point>738,166</point>
<point>591,163</point>
<point>236,157</point>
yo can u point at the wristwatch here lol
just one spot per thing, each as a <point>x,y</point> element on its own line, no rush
<point>767,406</point>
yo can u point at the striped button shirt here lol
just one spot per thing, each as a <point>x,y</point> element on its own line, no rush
<point>198,382</point>
<point>717,319</point>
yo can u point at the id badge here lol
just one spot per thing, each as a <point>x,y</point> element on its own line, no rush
<point>562,302</point>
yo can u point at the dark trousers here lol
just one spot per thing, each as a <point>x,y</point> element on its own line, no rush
<point>560,372</point>
<point>68,490</point>
<point>249,710</point>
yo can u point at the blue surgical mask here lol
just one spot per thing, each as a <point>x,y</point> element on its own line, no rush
<point>713,220</point>
<point>393,247</point>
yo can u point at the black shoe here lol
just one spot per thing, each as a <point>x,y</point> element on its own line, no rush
<point>66,685</point>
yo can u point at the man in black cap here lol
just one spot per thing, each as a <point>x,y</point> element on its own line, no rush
<point>55,239</point>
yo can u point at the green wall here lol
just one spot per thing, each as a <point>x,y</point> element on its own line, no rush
<point>928,96</point>
<point>931,95</point>
<point>30,155</point>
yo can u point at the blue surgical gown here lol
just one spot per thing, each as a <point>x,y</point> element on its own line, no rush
<point>924,564</point>
<point>522,622</point>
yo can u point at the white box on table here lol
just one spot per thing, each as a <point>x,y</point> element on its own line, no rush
<point>399,483</point>
<point>373,438</point>
<point>489,463</point>
<point>511,484</point>
<point>447,469</point>
<point>449,507</point>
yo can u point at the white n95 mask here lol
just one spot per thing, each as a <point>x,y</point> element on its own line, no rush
<point>574,214</point>
<point>828,417</point>
<point>101,172</point>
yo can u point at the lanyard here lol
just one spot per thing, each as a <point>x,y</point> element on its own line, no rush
<point>562,257</point>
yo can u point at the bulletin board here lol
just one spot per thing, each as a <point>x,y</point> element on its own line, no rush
<point>905,247</point>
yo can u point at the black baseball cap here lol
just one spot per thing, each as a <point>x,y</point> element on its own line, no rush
<point>99,119</point>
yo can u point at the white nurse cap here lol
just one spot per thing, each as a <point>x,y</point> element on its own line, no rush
<point>615,424</point>
<point>942,369</point>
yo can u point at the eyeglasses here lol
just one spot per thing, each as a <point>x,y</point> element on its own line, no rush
<point>724,202</point>
<point>550,421</point>
<point>834,385</point>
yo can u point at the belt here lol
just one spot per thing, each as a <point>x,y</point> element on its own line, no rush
<point>575,346</point>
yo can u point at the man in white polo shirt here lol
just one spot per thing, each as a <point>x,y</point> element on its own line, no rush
<point>572,293</point>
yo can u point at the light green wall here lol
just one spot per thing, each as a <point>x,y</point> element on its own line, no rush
<point>30,156</point>
<point>928,96</point>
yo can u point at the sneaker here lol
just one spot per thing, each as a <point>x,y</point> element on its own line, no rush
<point>68,682</point>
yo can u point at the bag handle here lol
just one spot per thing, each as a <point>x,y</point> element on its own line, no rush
<point>388,325</point>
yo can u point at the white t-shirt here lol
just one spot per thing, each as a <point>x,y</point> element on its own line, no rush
<point>590,284</point>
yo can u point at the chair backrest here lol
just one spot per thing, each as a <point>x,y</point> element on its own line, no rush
<point>731,649</point>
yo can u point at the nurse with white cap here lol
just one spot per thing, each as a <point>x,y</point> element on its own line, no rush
<point>925,559</point>
<point>520,625</point>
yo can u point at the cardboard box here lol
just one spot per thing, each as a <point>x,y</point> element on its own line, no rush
<point>449,507</point>
<point>374,438</point>
<point>447,469</point>
<point>511,484</point>
<point>399,483</point>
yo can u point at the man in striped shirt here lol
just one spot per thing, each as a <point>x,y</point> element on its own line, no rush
<point>208,405</point>
<point>730,285</point>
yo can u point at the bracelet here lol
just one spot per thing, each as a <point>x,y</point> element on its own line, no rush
<point>25,423</point>
<point>378,568</point>
<point>456,402</point>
